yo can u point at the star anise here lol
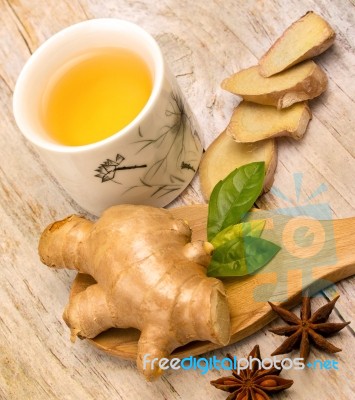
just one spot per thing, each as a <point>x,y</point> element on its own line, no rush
<point>253,383</point>
<point>307,329</point>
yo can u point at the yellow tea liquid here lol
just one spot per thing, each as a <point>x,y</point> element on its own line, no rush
<point>95,95</point>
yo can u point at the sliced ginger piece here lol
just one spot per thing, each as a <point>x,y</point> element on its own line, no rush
<point>308,37</point>
<point>225,154</point>
<point>252,122</point>
<point>299,83</point>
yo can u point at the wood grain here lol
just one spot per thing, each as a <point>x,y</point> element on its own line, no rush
<point>203,42</point>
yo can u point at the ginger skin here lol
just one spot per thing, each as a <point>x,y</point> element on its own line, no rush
<point>149,276</point>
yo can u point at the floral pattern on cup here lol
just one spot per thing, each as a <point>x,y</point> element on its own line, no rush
<point>179,150</point>
<point>107,170</point>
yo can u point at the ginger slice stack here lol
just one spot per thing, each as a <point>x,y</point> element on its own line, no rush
<point>275,94</point>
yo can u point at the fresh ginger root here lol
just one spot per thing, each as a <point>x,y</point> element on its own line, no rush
<point>149,276</point>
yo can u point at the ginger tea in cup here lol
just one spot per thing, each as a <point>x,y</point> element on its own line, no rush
<point>95,95</point>
<point>107,116</point>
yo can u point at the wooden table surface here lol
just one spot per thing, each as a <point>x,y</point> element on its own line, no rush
<point>203,42</point>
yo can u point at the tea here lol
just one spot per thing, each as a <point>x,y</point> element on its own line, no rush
<point>95,95</point>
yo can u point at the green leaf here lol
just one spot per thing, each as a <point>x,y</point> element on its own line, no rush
<point>232,197</point>
<point>241,256</point>
<point>251,228</point>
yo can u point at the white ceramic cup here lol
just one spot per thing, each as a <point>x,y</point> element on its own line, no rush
<point>150,161</point>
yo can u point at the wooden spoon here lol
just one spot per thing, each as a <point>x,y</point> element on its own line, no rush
<point>314,255</point>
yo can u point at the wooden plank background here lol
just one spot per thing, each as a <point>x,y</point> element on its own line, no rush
<point>203,42</point>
